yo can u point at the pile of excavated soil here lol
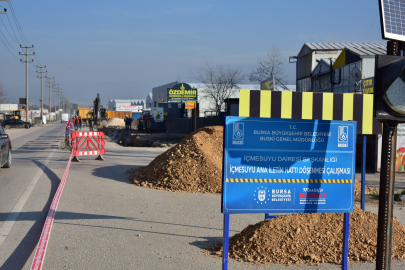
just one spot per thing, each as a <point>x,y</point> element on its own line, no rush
<point>369,190</point>
<point>115,122</point>
<point>311,238</point>
<point>193,165</point>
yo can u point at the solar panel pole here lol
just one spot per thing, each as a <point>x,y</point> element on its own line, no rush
<point>386,201</point>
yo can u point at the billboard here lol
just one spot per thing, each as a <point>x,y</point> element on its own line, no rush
<point>288,166</point>
<point>137,108</point>
<point>181,93</point>
<point>367,85</point>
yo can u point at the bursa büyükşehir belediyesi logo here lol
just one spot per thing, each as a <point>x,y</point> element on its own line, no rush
<point>343,140</point>
<point>238,133</point>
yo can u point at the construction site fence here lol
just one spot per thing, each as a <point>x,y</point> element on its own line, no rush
<point>187,125</point>
<point>88,144</point>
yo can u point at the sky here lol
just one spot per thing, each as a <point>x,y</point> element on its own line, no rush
<point>122,49</point>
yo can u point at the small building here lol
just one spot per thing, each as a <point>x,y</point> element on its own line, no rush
<point>159,95</point>
<point>148,101</point>
<point>314,59</point>
<point>134,105</point>
<point>7,107</point>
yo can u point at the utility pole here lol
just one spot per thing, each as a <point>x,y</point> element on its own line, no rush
<point>50,96</point>
<point>42,96</point>
<point>26,76</point>
<point>5,10</point>
<point>60,93</point>
<point>55,91</point>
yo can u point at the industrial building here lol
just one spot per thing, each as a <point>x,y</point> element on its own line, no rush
<point>314,60</point>
<point>134,105</point>
<point>314,64</point>
<point>159,94</point>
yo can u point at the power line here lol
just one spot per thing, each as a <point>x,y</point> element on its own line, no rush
<point>7,47</point>
<point>12,28</point>
<point>7,41</point>
<point>16,20</point>
<point>8,31</point>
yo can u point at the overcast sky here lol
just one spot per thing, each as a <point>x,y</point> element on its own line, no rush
<point>121,49</point>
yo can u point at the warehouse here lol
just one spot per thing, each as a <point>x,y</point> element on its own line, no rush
<point>313,66</point>
<point>134,105</point>
<point>314,75</point>
<point>159,94</point>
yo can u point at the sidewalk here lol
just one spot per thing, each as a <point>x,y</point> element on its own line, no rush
<point>105,222</point>
<point>373,180</point>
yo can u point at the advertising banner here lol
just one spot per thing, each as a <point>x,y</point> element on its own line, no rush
<point>288,166</point>
<point>137,108</point>
<point>181,93</point>
<point>190,105</point>
<point>400,151</point>
<point>367,85</point>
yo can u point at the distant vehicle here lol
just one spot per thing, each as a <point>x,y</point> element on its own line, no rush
<point>5,149</point>
<point>64,117</point>
<point>16,123</point>
<point>17,114</point>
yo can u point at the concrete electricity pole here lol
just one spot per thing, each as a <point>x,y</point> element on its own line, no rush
<point>5,10</point>
<point>26,76</point>
<point>55,91</point>
<point>42,96</point>
<point>50,96</point>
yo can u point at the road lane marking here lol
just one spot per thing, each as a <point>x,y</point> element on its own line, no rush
<point>39,256</point>
<point>13,215</point>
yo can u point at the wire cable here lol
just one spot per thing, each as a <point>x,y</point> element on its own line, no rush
<point>8,31</point>
<point>15,18</point>
<point>8,42</point>
<point>7,47</point>
<point>12,28</point>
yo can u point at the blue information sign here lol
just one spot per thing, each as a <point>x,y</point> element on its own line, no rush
<point>288,165</point>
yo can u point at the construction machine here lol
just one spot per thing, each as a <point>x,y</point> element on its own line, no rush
<point>96,110</point>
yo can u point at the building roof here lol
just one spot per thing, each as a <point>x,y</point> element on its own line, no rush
<point>362,49</point>
<point>126,100</point>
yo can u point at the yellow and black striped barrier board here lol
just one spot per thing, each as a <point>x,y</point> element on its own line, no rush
<point>324,181</point>
<point>312,106</point>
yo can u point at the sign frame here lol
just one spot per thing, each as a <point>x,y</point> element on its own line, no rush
<point>181,93</point>
<point>284,173</point>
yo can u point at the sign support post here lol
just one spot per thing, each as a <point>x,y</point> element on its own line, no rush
<point>363,175</point>
<point>346,230</point>
<point>386,202</point>
<point>225,249</point>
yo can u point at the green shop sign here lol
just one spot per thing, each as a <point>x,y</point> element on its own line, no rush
<point>181,92</point>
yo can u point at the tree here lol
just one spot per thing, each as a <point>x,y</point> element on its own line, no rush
<point>272,64</point>
<point>3,94</point>
<point>219,82</point>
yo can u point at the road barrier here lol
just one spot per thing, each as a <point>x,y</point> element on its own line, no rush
<point>87,144</point>
<point>68,134</point>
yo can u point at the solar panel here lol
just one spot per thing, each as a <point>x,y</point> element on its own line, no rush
<point>392,16</point>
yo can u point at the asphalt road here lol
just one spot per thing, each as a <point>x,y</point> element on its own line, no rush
<point>105,222</point>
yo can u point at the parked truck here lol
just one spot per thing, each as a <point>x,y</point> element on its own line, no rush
<point>84,113</point>
<point>64,117</point>
<point>106,114</point>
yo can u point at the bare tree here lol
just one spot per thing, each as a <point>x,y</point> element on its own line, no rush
<point>220,83</point>
<point>3,94</point>
<point>272,64</point>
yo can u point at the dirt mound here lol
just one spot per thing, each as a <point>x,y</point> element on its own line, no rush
<point>115,122</point>
<point>357,189</point>
<point>193,165</point>
<point>311,238</point>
